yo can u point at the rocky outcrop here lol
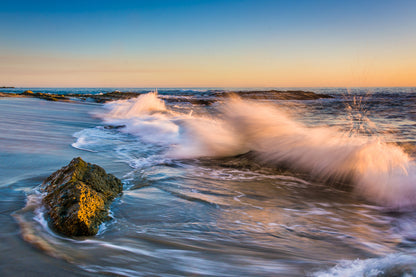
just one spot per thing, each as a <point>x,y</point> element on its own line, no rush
<point>190,100</point>
<point>78,198</point>
<point>106,97</point>
<point>276,94</point>
<point>45,96</point>
<point>206,99</point>
<point>6,94</point>
<point>40,95</point>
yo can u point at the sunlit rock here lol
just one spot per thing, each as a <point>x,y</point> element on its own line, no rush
<point>78,197</point>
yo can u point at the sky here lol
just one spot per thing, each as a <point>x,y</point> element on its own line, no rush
<point>202,43</point>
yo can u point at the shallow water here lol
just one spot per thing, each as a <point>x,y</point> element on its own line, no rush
<point>191,207</point>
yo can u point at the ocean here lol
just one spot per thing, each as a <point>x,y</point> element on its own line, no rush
<point>240,187</point>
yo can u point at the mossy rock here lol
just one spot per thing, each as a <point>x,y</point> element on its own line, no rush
<point>78,198</point>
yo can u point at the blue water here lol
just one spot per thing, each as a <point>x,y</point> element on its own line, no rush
<point>191,207</point>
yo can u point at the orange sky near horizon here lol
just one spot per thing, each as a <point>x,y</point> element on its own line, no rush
<point>46,71</point>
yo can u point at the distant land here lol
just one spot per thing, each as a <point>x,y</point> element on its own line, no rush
<point>7,87</point>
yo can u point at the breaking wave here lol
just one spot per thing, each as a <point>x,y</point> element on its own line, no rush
<point>381,172</point>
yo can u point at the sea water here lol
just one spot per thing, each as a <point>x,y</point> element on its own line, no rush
<point>236,188</point>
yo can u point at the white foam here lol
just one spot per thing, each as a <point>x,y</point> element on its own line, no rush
<point>145,116</point>
<point>392,265</point>
<point>94,139</point>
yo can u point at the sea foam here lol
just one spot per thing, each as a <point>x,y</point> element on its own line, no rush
<point>398,264</point>
<point>381,172</point>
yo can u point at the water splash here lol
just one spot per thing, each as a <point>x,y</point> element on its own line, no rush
<point>381,172</point>
<point>357,115</point>
<point>136,107</point>
<point>391,265</point>
<point>145,116</point>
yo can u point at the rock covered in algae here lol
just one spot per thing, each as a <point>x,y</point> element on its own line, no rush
<point>78,197</point>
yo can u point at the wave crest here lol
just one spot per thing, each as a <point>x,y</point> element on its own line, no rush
<point>381,172</point>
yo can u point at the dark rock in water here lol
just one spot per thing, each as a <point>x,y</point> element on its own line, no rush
<point>9,94</point>
<point>247,161</point>
<point>99,98</point>
<point>193,101</point>
<point>276,95</point>
<point>206,99</point>
<point>45,96</point>
<point>112,127</point>
<point>78,197</point>
<point>106,97</point>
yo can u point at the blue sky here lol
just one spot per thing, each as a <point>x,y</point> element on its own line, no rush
<point>207,43</point>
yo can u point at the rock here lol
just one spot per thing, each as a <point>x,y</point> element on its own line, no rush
<point>45,96</point>
<point>205,99</point>
<point>9,94</point>
<point>193,101</point>
<point>78,197</point>
<point>276,95</point>
<point>106,97</point>
<point>113,127</point>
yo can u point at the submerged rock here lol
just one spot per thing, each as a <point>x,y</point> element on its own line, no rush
<point>78,197</point>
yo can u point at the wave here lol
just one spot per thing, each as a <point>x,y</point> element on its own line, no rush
<point>145,116</point>
<point>381,172</point>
